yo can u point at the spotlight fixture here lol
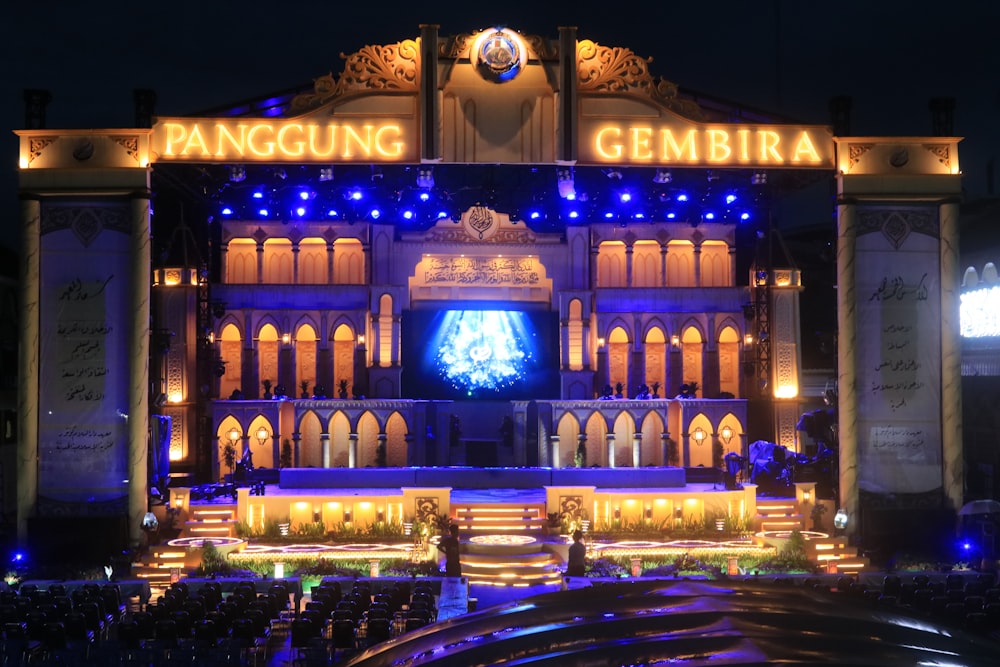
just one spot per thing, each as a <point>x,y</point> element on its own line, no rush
<point>759,178</point>
<point>325,174</point>
<point>425,177</point>
<point>663,176</point>
<point>711,176</point>
<point>237,173</point>
<point>613,174</point>
<point>564,182</point>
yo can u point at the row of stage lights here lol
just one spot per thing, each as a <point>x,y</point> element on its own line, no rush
<point>425,206</point>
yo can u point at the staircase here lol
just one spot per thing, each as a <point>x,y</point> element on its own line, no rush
<point>776,517</point>
<point>163,563</point>
<point>504,542</point>
<point>481,518</point>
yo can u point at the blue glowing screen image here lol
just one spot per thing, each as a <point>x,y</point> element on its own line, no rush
<point>486,354</point>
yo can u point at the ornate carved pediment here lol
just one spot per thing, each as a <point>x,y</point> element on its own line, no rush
<point>392,67</point>
<point>459,46</point>
<point>603,69</point>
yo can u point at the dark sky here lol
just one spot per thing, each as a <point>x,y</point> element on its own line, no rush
<point>785,56</point>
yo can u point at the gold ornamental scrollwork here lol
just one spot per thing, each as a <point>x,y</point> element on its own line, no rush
<point>390,67</point>
<point>855,151</point>
<point>36,145</point>
<point>460,46</point>
<point>941,152</point>
<point>130,144</point>
<point>603,69</point>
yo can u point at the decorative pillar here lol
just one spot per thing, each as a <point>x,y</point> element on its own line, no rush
<point>352,450</point>
<point>554,450</point>
<point>663,265</point>
<point>847,327</point>
<point>295,262</point>
<point>951,357</point>
<point>28,365</point>
<point>636,448</point>
<point>324,444</point>
<point>585,351</point>
<point>697,264</point>
<point>381,449</point>
<point>224,262</point>
<point>260,262</point>
<point>394,354</point>
<point>138,408</point>
<point>376,341</point>
<point>731,280</point>
<point>564,343</point>
<point>628,264</point>
<point>665,448</point>
<point>296,448</point>
<point>329,262</point>
<point>581,444</point>
<point>610,437</point>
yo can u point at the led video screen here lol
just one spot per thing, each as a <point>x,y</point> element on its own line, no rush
<point>480,354</point>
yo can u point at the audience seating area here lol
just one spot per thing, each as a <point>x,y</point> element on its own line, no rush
<point>971,601</point>
<point>204,625</point>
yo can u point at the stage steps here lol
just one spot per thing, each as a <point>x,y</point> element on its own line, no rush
<point>498,567</point>
<point>211,520</point>
<point>482,518</point>
<point>779,516</point>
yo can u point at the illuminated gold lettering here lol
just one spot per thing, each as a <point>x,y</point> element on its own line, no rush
<point>299,146</point>
<point>641,137</point>
<point>363,143</point>
<point>611,150</point>
<point>670,145</point>
<point>718,146</point>
<point>743,154</point>
<point>238,145</point>
<point>264,149</point>
<point>331,135</point>
<point>388,148</point>
<point>195,141</point>
<point>769,140</point>
<point>804,148</point>
<point>175,135</point>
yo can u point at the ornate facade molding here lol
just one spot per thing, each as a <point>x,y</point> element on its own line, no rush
<point>86,222</point>
<point>855,151</point>
<point>130,144</point>
<point>941,152</point>
<point>36,145</point>
<point>392,67</point>
<point>459,46</point>
<point>603,69</point>
<point>462,236</point>
<point>897,225</point>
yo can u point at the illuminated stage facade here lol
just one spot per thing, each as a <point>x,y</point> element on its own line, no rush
<point>488,250</point>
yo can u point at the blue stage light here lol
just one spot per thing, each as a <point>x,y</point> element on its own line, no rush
<point>424,196</point>
<point>300,211</point>
<point>263,212</point>
<point>332,213</point>
<point>609,215</point>
<point>710,216</point>
<point>671,216</point>
<point>744,216</point>
<point>304,195</point>
<point>574,215</point>
<point>375,213</point>
<point>355,195</point>
<point>227,211</point>
<point>625,197</point>
<point>442,215</point>
<point>730,199</point>
<point>682,197</point>
<point>258,195</point>
<point>407,215</point>
<point>639,216</point>
<point>534,215</point>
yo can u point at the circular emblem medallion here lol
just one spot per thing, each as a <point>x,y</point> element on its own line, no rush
<point>498,55</point>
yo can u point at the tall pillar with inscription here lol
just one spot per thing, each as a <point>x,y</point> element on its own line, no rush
<point>899,368</point>
<point>86,280</point>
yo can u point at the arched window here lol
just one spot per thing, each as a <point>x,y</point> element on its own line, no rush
<point>343,359</point>
<point>267,352</point>
<point>655,350</point>
<point>618,357</point>
<point>680,264</point>
<point>691,357</point>
<point>305,357</point>
<point>575,331</point>
<point>729,361</point>
<point>277,262</point>
<point>715,264</point>
<point>348,262</point>
<point>312,262</point>
<point>231,353</point>
<point>385,331</point>
<point>646,264</point>
<point>241,262</point>
<point>611,264</point>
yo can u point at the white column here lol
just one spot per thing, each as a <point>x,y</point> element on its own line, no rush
<point>847,329</point>
<point>636,448</point>
<point>28,365</point>
<point>324,443</point>
<point>352,450</point>
<point>610,437</point>
<point>138,409</point>
<point>554,450</point>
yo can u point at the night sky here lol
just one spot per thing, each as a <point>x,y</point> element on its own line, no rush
<point>786,57</point>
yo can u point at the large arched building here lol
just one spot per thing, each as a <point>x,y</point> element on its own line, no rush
<point>490,250</point>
